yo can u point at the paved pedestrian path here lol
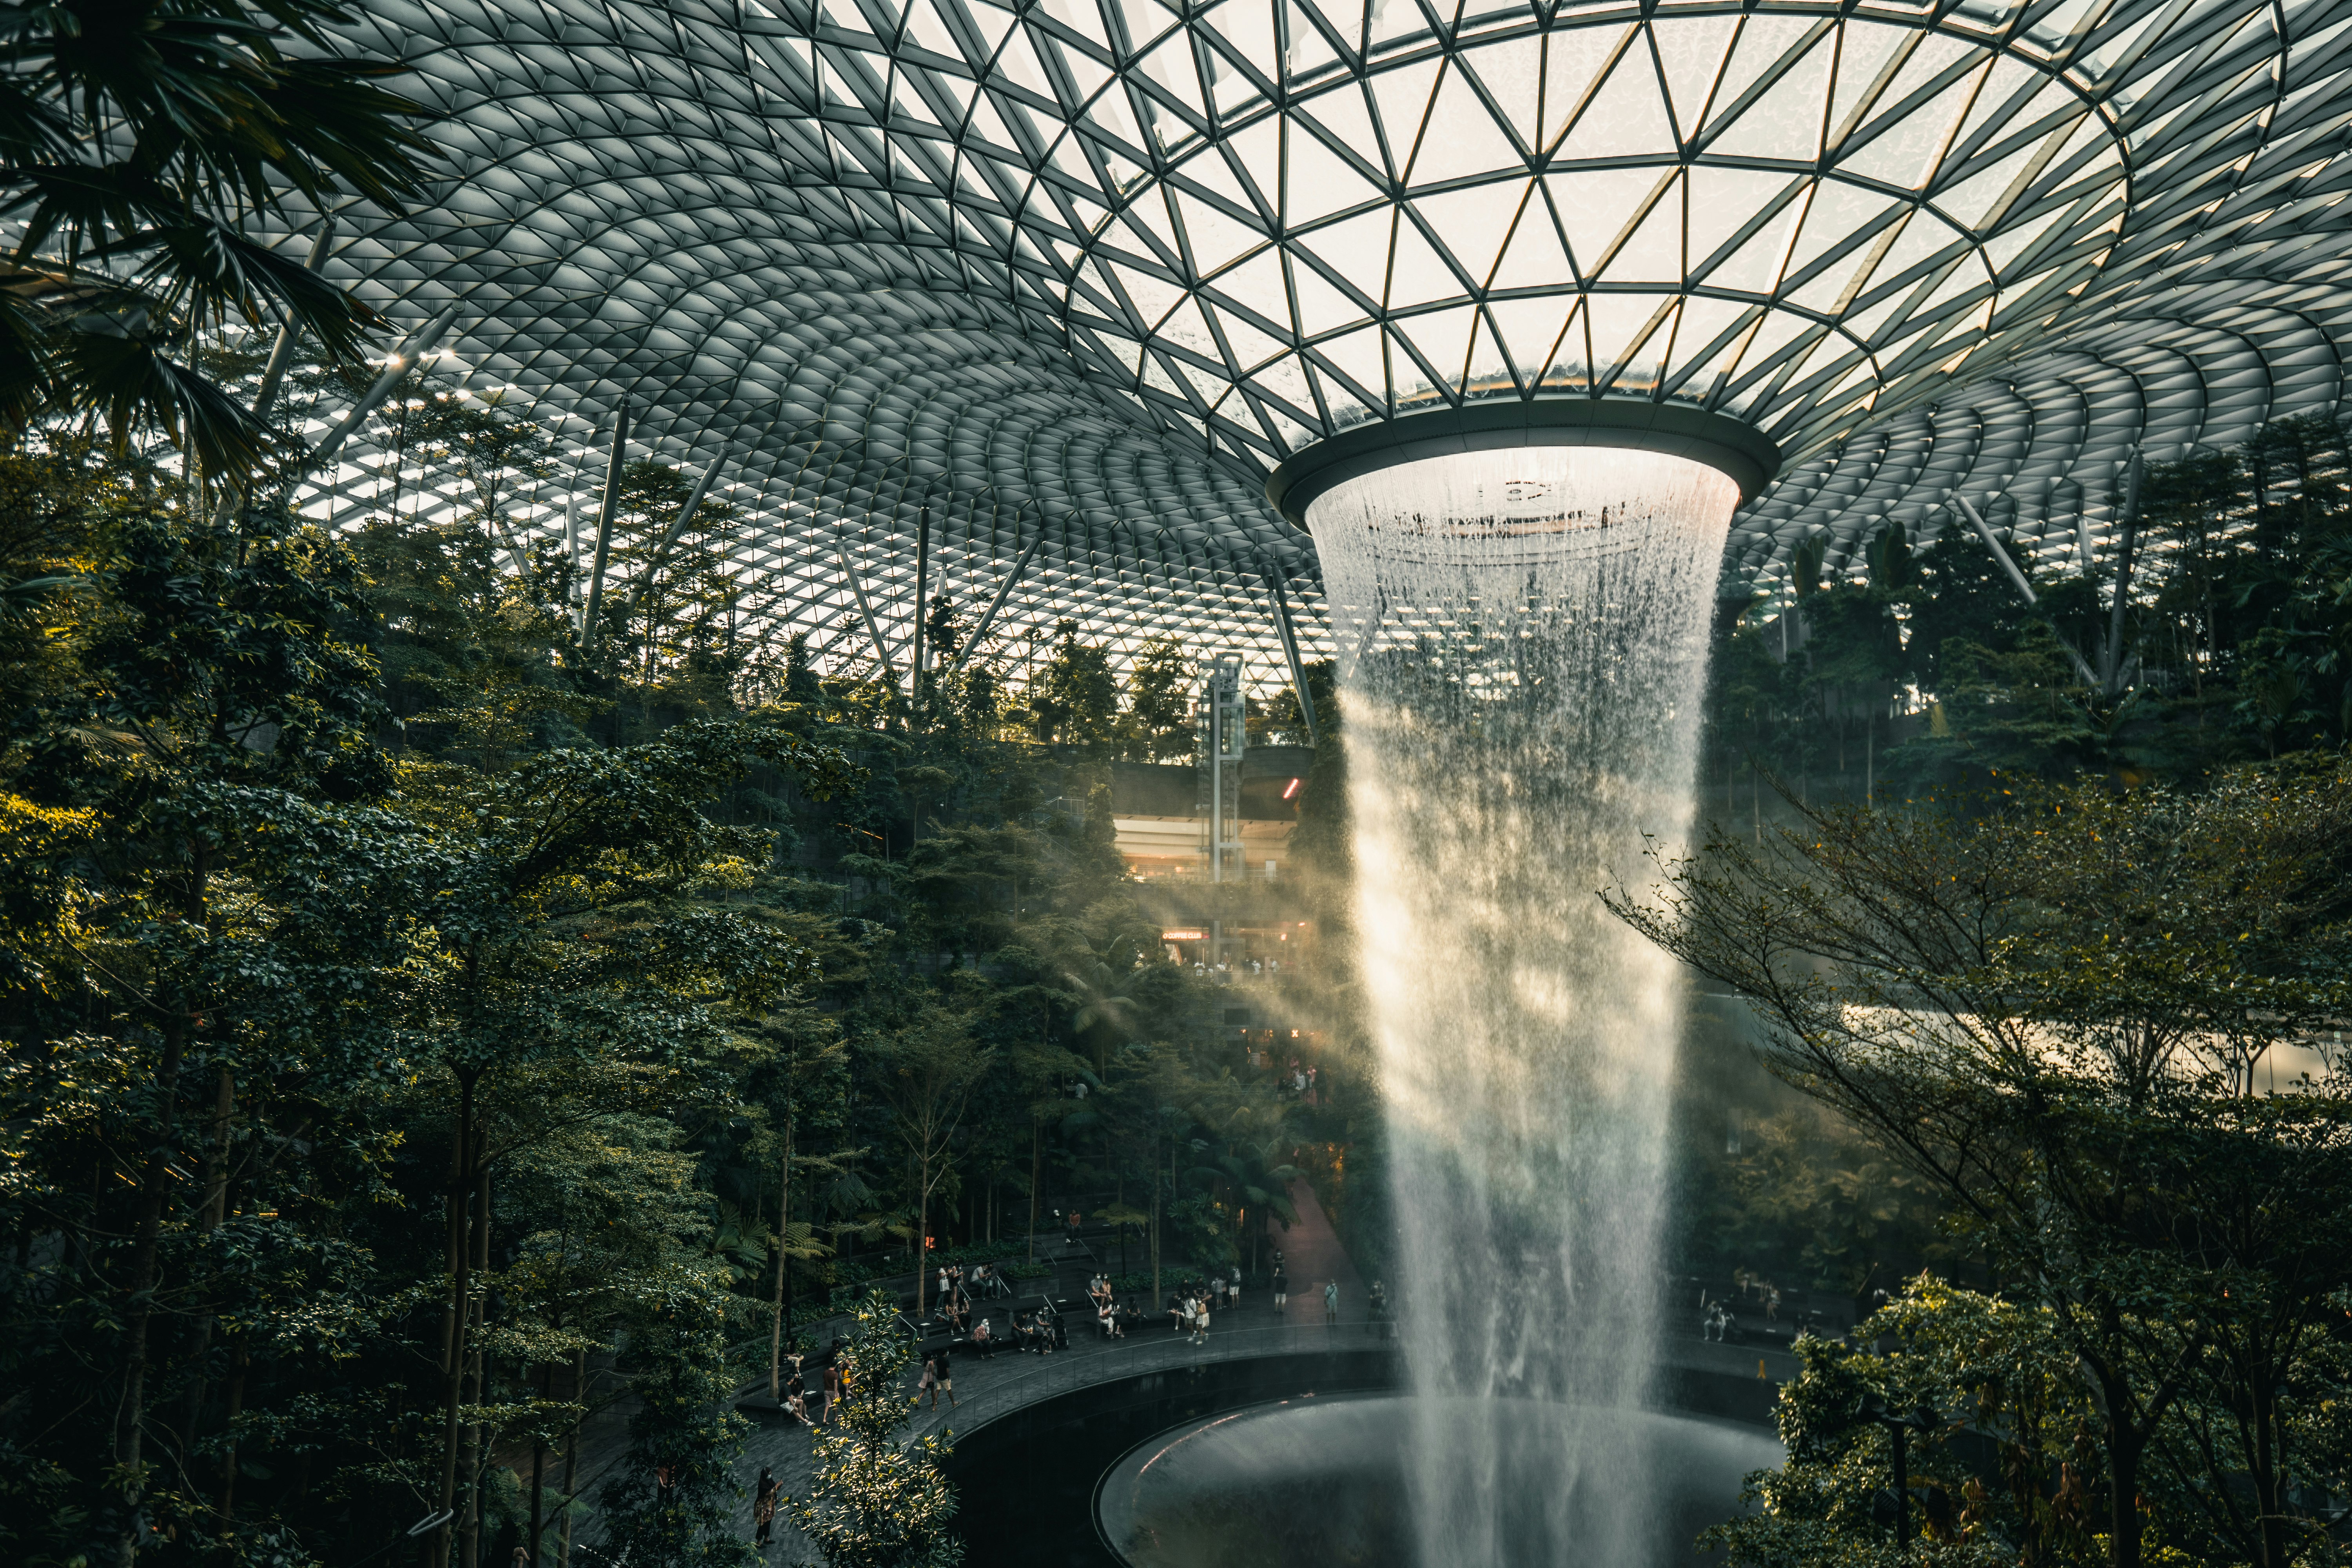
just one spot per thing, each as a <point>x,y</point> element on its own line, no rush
<point>1312,1256</point>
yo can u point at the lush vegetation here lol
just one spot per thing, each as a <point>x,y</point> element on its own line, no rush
<point>1909,671</point>
<point>2099,1025</point>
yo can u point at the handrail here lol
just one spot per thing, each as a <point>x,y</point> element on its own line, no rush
<point>1069,1371</point>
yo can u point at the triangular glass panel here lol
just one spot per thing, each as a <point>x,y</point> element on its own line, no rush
<point>1512,74</point>
<point>2013,253</point>
<point>1724,201</point>
<point>1287,380</point>
<point>1690,51</point>
<point>1765,40</point>
<point>1346,408</point>
<point>1249,345</point>
<point>1786,122</point>
<point>1532,257</point>
<point>1529,328</point>
<point>1418,275</point>
<point>1318,182</point>
<point>1904,153</point>
<point>1360,357</point>
<point>1866,324</point>
<point>1973,199</point>
<point>1595,205</point>
<point>2001,106</point>
<point>1864,52</point>
<point>1755,267</point>
<point>1627,118</point>
<point>1170,68</point>
<point>1256,285</point>
<point>1403,98</point>
<point>1412,384</point>
<point>1444,338</point>
<point>1572,361</point>
<point>1925,239</point>
<point>1574,59</point>
<point>1257,149</point>
<point>1213,172</point>
<point>1344,121</point>
<point>1321,306</point>
<point>1488,372</point>
<point>1357,249</point>
<point>1472,223</point>
<point>1837,214</point>
<point>1152,296</point>
<point>1705,342</point>
<point>1617,321</point>
<point>1018,60</point>
<point>1217,238</point>
<point>991,24</point>
<point>1462,139</point>
<point>1305,47</point>
<point>1780,329</point>
<point>1653,253</point>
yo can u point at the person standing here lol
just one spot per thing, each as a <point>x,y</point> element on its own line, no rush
<point>1281,1285</point>
<point>1330,1300</point>
<point>931,1381</point>
<point>947,1379</point>
<point>763,1508</point>
<point>1201,1321</point>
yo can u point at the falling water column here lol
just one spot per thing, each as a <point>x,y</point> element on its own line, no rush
<point>1521,688</point>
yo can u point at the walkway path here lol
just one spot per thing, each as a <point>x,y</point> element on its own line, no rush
<point>1312,1255</point>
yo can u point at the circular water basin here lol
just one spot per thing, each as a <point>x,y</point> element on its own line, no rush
<point>1388,1480</point>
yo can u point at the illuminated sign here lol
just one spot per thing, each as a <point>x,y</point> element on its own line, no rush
<point>1183,936</point>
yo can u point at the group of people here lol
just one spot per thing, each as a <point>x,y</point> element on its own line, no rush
<point>810,1391</point>
<point>1037,1333</point>
<point>957,1289</point>
<point>1113,1317</point>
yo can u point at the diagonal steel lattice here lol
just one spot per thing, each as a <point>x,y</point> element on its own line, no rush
<point>1077,275</point>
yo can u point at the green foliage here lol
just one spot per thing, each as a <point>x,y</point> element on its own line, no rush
<point>878,1501</point>
<point>139,138</point>
<point>1999,1478</point>
<point>1803,1187</point>
<point>1074,698</point>
<point>2052,1008</point>
<point>670,1503</point>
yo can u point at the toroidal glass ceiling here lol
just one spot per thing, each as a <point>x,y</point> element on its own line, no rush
<point>1079,274</point>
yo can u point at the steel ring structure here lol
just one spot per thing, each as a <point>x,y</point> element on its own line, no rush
<point>1074,278</point>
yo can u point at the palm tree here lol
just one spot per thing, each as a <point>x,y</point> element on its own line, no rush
<point>137,137</point>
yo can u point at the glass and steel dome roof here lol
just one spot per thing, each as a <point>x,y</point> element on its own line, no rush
<point>1087,270</point>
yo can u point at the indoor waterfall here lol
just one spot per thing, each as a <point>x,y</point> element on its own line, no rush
<point>1524,640</point>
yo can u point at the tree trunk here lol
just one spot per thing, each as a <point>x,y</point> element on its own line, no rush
<point>214,1180</point>
<point>1036,1167</point>
<point>131,1419</point>
<point>229,1453</point>
<point>923,1236</point>
<point>538,1467</point>
<point>572,1457</point>
<point>456,1316</point>
<point>783,1267</point>
<point>478,1370</point>
<point>2123,1496</point>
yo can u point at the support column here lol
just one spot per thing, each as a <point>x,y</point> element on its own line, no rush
<point>2017,580</point>
<point>671,535</point>
<point>922,584</point>
<point>1003,593</point>
<point>415,347</point>
<point>873,627</point>
<point>590,629</point>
